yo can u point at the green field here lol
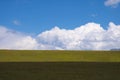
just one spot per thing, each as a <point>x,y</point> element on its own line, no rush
<point>59,65</point>
<point>58,56</point>
<point>59,71</point>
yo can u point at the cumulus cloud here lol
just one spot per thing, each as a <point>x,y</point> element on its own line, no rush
<point>90,36</point>
<point>10,39</point>
<point>113,3</point>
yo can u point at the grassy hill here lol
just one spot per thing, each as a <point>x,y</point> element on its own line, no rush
<point>58,56</point>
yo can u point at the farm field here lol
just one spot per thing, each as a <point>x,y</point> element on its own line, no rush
<point>58,56</point>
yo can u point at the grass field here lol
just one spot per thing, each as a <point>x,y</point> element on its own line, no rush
<point>59,65</point>
<point>58,56</point>
<point>59,71</point>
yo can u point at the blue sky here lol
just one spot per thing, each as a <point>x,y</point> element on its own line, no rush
<point>60,24</point>
<point>36,16</point>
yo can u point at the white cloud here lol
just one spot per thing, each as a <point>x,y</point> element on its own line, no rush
<point>94,15</point>
<point>113,3</point>
<point>86,37</point>
<point>90,36</point>
<point>10,39</point>
<point>16,22</point>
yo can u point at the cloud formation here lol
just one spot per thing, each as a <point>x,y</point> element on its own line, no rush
<point>10,39</point>
<point>16,22</point>
<point>113,3</point>
<point>90,36</point>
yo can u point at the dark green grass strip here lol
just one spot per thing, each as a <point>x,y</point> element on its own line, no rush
<point>59,71</point>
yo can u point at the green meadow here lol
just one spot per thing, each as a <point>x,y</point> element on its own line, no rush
<point>58,56</point>
<point>59,71</point>
<point>59,65</point>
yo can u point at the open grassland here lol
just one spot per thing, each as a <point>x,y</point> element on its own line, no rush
<point>59,71</point>
<point>59,65</point>
<point>58,56</point>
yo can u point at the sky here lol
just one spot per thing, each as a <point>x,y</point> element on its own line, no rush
<point>60,24</point>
